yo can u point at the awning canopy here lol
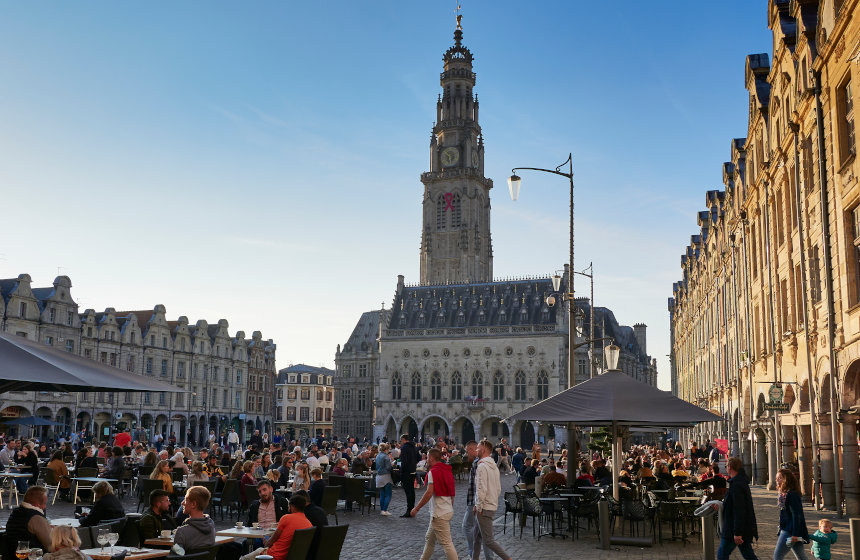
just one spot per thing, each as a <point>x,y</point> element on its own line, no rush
<point>26,365</point>
<point>616,398</point>
<point>30,421</point>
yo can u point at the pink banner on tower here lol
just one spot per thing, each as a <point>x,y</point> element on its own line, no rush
<point>449,201</point>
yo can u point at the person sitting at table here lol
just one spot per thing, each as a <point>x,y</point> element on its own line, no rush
<point>716,480</point>
<point>156,517</point>
<point>116,465</point>
<point>30,460</point>
<point>246,480</point>
<point>274,476</point>
<point>236,472</point>
<point>59,467</point>
<point>554,479</point>
<point>225,459</point>
<point>530,473</point>
<point>585,478</point>
<point>85,459</point>
<point>106,505</point>
<point>317,487</point>
<point>43,452</point>
<point>102,452</point>
<point>27,522</point>
<point>197,474</point>
<point>302,480</point>
<point>278,545</point>
<point>150,459</point>
<point>197,533</point>
<point>162,472</point>
<point>269,509</point>
<point>179,461</point>
<point>645,471</point>
<point>340,467</point>
<point>680,472</point>
<point>212,469</point>
<point>602,475</point>
<point>66,544</point>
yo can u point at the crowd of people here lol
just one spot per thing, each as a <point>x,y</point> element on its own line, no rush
<point>427,463</point>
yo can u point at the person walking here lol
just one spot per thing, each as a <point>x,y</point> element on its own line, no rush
<point>440,494</point>
<point>792,524</point>
<point>233,440</point>
<point>408,464</point>
<point>469,522</point>
<point>739,525</point>
<point>383,478</point>
<point>487,490</point>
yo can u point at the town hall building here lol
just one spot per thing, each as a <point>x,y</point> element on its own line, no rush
<point>458,353</point>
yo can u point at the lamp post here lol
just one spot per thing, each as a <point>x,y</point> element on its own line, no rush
<point>514,183</point>
<point>612,352</point>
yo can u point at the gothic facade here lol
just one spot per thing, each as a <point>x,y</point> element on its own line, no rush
<point>765,321</point>
<point>229,380</point>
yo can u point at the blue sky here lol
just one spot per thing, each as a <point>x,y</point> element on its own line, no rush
<point>260,161</point>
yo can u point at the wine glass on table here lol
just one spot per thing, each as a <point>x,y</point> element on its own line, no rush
<point>35,554</point>
<point>112,539</point>
<point>102,538</point>
<point>23,550</point>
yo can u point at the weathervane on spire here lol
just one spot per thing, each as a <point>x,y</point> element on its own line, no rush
<point>459,17</point>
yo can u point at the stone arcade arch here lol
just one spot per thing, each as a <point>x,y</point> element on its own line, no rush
<point>435,426</point>
<point>464,429</point>
<point>526,432</point>
<point>410,427</point>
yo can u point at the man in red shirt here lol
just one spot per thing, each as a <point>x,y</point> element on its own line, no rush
<point>122,439</point>
<point>279,543</point>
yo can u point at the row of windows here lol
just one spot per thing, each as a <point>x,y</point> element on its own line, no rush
<point>197,398</point>
<point>346,370</point>
<point>320,414</point>
<point>221,351</point>
<point>306,394</point>
<point>321,379</point>
<point>499,386</point>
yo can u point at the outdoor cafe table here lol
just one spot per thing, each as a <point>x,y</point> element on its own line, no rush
<point>551,501</point>
<point>245,533</point>
<point>92,479</point>
<point>168,541</point>
<point>69,521</point>
<point>132,553</point>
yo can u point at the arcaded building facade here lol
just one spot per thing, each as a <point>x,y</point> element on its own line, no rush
<point>766,317</point>
<point>229,380</point>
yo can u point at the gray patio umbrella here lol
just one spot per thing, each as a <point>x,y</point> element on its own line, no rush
<point>615,399</point>
<point>26,365</point>
<point>30,421</point>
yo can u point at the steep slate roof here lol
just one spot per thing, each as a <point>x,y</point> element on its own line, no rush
<point>42,295</point>
<point>299,369</point>
<point>501,302</point>
<point>363,337</point>
<point>606,325</point>
<point>7,286</point>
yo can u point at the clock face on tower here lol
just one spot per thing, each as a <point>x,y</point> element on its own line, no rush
<point>450,156</point>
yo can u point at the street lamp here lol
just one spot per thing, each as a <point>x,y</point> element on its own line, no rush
<point>514,183</point>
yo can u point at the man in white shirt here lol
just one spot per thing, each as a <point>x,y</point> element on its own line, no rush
<point>233,440</point>
<point>312,461</point>
<point>487,490</point>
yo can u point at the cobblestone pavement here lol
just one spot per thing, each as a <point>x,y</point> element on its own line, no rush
<point>373,536</point>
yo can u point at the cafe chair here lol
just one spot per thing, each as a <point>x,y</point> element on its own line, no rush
<point>331,494</point>
<point>300,545</point>
<point>331,541</point>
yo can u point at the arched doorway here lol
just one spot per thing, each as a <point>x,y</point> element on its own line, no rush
<point>41,432</point>
<point>527,435</point>
<point>493,429</point>
<point>146,425</point>
<point>391,430</point>
<point>760,476</point>
<point>64,417</point>
<point>434,426</point>
<point>192,436</point>
<point>408,426</point>
<point>82,421</point>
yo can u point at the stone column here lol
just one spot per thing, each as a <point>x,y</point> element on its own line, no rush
<point>804,461</point>
<point>746,454</point>
<point>788,450</point>
<point>825,444</point>
<point>772,465</point>
<point>850,465</point>
<point>760,457</point>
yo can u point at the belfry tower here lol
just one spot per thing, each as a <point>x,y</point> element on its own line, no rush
<point>456,246</point>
